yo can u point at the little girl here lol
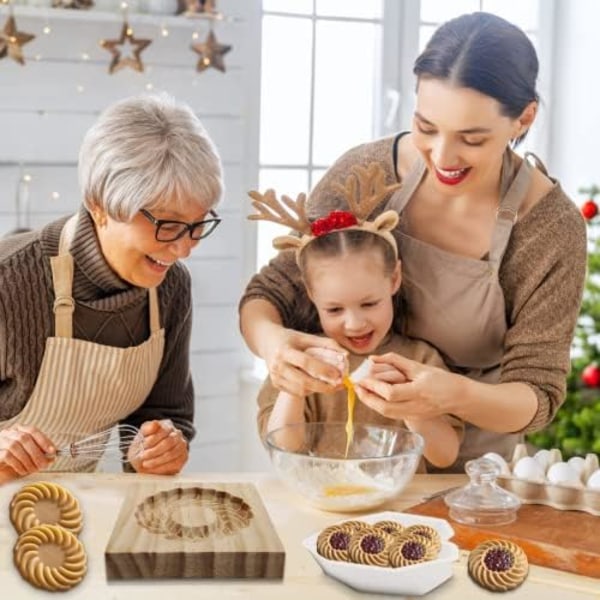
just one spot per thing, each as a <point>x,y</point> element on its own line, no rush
<point>351,271</point>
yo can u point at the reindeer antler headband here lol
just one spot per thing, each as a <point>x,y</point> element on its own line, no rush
<point>364,189</point>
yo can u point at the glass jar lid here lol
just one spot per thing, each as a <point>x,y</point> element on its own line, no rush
<point>482,501</point>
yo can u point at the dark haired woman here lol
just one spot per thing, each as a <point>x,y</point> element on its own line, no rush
<point>493,252</point>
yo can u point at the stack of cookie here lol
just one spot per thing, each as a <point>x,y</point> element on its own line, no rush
<point>48,553</point>
<point>382,544</point>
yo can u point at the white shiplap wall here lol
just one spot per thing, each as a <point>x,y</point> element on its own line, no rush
<point>43,118</point>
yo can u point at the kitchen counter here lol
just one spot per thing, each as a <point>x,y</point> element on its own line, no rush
<point>101,496</point>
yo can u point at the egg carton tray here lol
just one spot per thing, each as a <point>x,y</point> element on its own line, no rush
<point>557,495</point>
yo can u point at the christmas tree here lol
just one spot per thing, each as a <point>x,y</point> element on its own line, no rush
<point>576,428</point>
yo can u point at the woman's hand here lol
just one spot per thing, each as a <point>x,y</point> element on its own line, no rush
<point>400,388</point>
<point>23,450</point>
<point>298,372</point>
<point>162,449</point>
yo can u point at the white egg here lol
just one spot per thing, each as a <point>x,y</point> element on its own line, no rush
<point>577,463</point>
<point>543,457</point>
<point>530,469</point>
<point>593,482</point>
<point>495,457</point>
<point>563,473</point>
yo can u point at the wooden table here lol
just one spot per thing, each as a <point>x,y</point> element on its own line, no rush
<point>102,494</point>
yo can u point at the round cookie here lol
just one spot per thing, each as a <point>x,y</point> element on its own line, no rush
<point>425,531</point>
<point>355,525</point>
<point>50,557</point>
<point>390,527</point>
<point>498,565</point>
<point>370,547</point>
<point>411,550</point>
<point>333,542</point>
<point>45,503</point>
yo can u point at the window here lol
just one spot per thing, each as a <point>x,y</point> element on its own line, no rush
<point>336,73</point>
<point>320,81</point>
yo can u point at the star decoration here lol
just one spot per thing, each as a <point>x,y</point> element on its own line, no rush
<point>12,41</point>
<point>120,62</point>
<point>211,53</point>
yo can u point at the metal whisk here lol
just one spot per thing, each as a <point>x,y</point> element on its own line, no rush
<point>103,443</point>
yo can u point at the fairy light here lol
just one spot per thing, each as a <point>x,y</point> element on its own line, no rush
<point>195,35</point>
<point>149,87</point>
<point>80,89</point>
<point>55,195</point>
<point>47,29</point>
<point>85,56</point>
<point>164,30</point>
<point>27,178</point>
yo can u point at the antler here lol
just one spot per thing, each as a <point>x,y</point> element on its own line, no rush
<point>270,209</point>
<point>364,189</point>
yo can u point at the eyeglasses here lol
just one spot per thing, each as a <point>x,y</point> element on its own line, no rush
<point>169,231</point>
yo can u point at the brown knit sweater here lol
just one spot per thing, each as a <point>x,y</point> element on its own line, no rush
<point>542,276</point>
<point>107,311</point>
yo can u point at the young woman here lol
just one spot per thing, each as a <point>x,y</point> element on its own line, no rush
<point>351,272</point>
<point>95,310</point>
<point>494,252</point>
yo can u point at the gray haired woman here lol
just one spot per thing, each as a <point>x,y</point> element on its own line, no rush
<point>95,309</point>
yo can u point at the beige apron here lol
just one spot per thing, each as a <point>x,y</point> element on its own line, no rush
<point>83,387</point>
<point>456,303</point>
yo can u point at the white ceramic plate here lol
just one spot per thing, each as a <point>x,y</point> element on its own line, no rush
<point>414,580</point>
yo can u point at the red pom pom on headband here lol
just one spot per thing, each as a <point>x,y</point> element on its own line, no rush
<point>336,219</point>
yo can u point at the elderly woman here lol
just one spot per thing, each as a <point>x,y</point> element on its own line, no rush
<point>95,309</point>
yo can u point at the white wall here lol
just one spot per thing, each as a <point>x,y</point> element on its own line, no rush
<point>43,118</point>
<point>575,124</point>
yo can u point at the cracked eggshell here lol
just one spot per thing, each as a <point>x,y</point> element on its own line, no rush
<point>563,473</point>
<point>530,469</point>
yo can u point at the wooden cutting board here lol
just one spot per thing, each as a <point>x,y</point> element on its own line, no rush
<point>560,539</point>
<point>212,530</point>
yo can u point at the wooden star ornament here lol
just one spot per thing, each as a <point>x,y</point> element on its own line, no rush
<point>137,46</point>
<point>12,41</point>
<point>211,53</point>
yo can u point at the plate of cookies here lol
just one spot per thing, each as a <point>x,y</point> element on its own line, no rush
<point>386,552</point>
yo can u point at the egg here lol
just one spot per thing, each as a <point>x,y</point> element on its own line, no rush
<point>577,463</point>
<point>495,457</point>
<point>530,469</point>
<point>593,482</point>
<point>543,457</point>
<point>563,473</point>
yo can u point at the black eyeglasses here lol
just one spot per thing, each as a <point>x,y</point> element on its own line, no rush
<point>169,231</point>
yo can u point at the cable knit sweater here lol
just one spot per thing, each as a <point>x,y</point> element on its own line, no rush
<point>107,311</point>
<point>542,276</point>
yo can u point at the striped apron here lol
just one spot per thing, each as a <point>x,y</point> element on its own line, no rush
<point>457,304</point>
<point>82,387</point>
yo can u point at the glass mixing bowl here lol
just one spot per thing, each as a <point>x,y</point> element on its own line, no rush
<point>311,459</point>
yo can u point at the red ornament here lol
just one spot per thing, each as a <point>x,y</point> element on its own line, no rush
<point>591,375</point>
<point>589,209</point>
<point>336,219</point>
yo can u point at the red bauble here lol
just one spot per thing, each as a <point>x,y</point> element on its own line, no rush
<point>589,209</point>
<point>591,375</point>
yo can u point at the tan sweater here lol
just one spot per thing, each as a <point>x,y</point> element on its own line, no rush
<point>542,277</point>
<point>107,311</point>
